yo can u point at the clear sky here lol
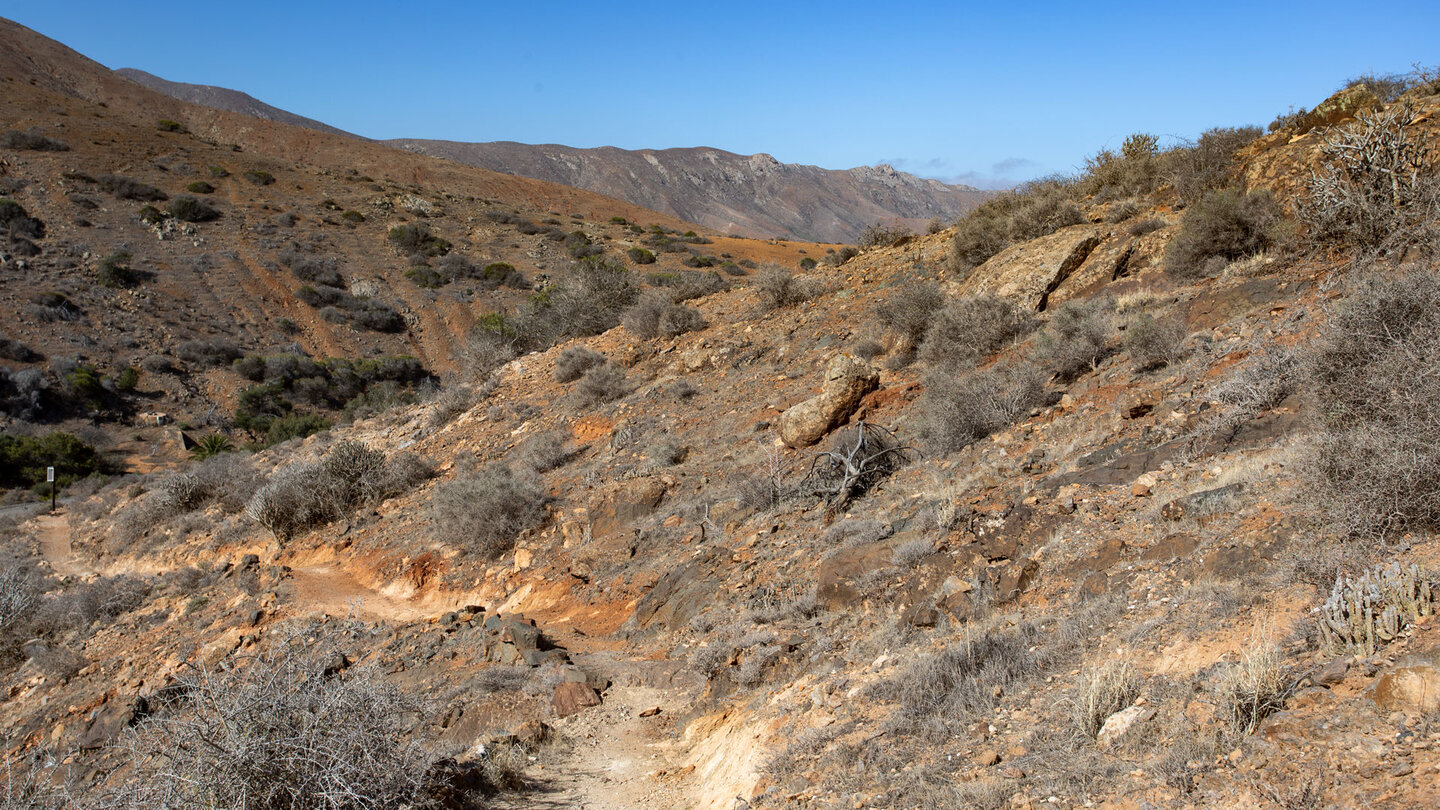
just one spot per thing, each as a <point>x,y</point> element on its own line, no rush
<point>986,93</point>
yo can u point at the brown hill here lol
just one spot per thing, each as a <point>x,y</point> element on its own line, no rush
<point>752,195</point>
<point>224,99</point>
<point>295,215</point>
<point>1137,511</point>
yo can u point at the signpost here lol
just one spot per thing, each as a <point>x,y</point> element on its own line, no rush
<point>50,476</point>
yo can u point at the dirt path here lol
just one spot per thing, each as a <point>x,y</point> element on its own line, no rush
<point>610,757</point>
<point>329,590</point>
<point>53,532</point>
<point>614,759</point>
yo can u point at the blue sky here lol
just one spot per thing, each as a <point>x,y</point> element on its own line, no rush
<point>986,93</point>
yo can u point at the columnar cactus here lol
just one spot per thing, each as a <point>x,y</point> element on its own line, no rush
<point>1365,613</point>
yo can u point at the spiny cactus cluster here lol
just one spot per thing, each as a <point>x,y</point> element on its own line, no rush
<point>1362,614</point>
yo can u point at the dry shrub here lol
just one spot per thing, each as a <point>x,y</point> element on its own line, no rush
<point>1034,210</point>
<point>1209,164</point>
<point>1266,379</point>
<point>1254,688</point>
<point>545,451</point>
<point>1079,335</point>
<point>1153,342</point>
<point>575,361</point>
<point>307,494</point>
<point>962,409</point>
<point>1375,377</point>
<point>1377,188</point>
<point>282,731</point>
<point>601,384</point>
<point>1105,690</point>
<point>657,315</point>
<point>485,509</point>
<point>779,288</point>
<point>1223,225</point>
<point>969,329</point>
<point>909,311</point>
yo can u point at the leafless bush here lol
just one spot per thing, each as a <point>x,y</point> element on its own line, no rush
<point>958,410</point>
<point>855,532</point>
<point>859,458</point>
<point>1079,335</point>
<point>969,329</point>
<point>545,451</point>
<point>281,731</point>
<point>1378,188</point>
<point>1153,342</point>
<point>32,140</point>
<point>1210,163</point>
<point>83,605</point>
<point>308,494</point>
<point>1375,375</point>
<point>600,384</point>
<point>879,234</point>
<point>779,288</point>
<point>1144,226</point>
<point>909,311</point>
<point>484,509</point>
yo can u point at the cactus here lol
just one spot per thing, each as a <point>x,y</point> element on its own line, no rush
<point>1365,613</point>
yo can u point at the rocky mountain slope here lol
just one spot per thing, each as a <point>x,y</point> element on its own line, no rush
<point>1118,493</point>
<point>744,195</point>
<point>751,195</point>
<point>222,98</point>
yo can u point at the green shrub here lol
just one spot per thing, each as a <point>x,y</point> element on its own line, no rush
<point>166,125</point>
<point>483,510</point>
<point>150,215</point>
<point>258,177</point>
<point>259,405</point>
<point>808,263</point>
<point>115,271</point>
<point>294,426</point>
<point>1224,225</point>
<point>418,239</point>
<point>353,216</point>
<point>640,255</point>
<point>219,171</point>
<point>189,209</point>
<point>23,459</point>
<point>200,187</point>
<point>127,379</point>
<point>427,277</point>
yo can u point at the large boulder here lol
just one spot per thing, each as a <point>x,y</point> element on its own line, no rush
<point>847,381</point>
<point>1029,272</point>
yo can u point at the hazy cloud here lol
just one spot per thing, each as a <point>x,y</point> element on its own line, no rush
<point>1003,174</point>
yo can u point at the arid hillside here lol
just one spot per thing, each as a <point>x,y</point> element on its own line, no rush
<point>225,99</point>
<point>1118,492</point>
<point>155,242</point>
<point>748,195</point>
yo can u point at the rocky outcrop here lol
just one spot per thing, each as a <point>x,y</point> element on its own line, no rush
<point>1029,272</point>
<point>847,381</point>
